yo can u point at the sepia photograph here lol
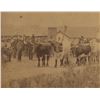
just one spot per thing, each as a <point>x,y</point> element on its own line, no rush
<point>50,49</point>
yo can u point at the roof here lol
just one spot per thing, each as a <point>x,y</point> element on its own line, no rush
<point>64,34</point>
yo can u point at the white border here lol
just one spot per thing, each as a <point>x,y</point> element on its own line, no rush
<point>50,94</point>
<point>49,5</point>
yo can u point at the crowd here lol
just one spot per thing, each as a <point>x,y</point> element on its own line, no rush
<point>19,46</point>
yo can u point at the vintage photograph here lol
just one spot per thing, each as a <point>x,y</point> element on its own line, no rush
<point>50,49</point>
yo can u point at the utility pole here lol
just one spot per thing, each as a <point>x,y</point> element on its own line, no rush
<point>20,26</point>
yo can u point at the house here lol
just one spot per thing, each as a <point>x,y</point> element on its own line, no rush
<point>52,32</point>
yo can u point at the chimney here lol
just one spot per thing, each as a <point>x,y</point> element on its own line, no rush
<point>65,29</point>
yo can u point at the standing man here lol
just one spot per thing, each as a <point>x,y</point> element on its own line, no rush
<point>30,47</point>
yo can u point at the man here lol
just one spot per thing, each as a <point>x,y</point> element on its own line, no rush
<point>32,39</point>
<point>81,40</point>
<point>6,50</point>
<point>30,47</point>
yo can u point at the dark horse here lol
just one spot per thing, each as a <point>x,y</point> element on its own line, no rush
<point>43,51</point>
<point>82,53</point>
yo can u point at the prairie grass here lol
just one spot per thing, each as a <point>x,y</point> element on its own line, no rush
<point>73,78</point>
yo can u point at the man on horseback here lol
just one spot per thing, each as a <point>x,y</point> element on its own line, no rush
<point>83,50</point>
<point>83,41</point>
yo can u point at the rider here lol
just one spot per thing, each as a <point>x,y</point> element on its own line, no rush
<point>83,41</point>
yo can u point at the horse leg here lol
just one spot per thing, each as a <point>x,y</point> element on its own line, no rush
<point>38,62</point>
<point>20,56</point>
<point>61,62</point>
<point>93,58</point>
<point>55,62</point>
<point>68,61</point>
<point>30,55</point>
<point>9,57</point>
<point>96,58</point>
<point>65,62</point>
<point>14,53</point>
<point>87,60</point>
<point>43,60</point>
<point>48,60</point>
<point>77,62</point>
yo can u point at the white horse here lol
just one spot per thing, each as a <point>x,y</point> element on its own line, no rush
<point>95,51</point>
<point>64,56</point>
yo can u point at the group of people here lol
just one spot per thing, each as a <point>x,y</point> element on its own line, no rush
<point>15,45</point>
<point>26,46</point>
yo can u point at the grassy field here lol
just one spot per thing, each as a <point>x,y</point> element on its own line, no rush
<point>26,75</point>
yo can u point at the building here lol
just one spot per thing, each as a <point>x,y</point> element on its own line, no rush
<point>52,32</point>
<point>41,38</point>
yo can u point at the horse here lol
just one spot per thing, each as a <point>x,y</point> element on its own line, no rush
<point>95,51</point>
<point>62,46</point>
<point>82,53</point>
<point>58,55</point>
<point>43,50</point>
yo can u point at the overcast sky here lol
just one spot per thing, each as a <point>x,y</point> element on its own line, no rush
<point>16,20</point>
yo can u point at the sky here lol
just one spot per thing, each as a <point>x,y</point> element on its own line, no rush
<point>27,22</point>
